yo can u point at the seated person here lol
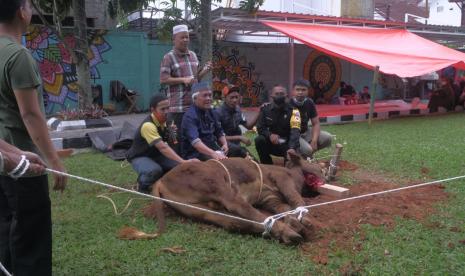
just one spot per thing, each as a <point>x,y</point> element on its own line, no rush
<point>231,116</point>
<point>278,127</point>
<point>200,128</point>
<point>444,97</point>
<point>318,96</point>
<point>347,94</point>
<point>311,138</point>
<point>364,95</point>
<point>149,154</point>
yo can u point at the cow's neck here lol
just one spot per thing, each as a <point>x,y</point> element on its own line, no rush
<point>298,176</point>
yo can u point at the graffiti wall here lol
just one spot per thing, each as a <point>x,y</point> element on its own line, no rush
<point>57,67</point>
<point>232,68</point>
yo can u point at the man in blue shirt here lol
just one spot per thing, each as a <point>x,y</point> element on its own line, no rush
<point>200,129</point>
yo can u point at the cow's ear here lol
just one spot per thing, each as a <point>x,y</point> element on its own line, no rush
<point>294,158</point>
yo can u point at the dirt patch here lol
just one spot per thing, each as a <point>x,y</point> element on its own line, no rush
<point>338,224</point>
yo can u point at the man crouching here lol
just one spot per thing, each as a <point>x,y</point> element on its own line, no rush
<point>150,155</point>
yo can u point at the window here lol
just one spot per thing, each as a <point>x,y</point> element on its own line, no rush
<point>440,9</point>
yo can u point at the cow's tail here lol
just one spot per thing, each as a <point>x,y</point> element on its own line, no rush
<point>159,207</point>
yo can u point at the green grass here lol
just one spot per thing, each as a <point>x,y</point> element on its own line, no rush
<point>85,226</point>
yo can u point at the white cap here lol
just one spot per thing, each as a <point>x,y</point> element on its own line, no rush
<point>180,29</point>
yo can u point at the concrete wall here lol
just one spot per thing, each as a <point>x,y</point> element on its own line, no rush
<point>358,8</point>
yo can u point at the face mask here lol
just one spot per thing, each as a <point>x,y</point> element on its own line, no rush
<point>160,118</point>
<point>279,100</point>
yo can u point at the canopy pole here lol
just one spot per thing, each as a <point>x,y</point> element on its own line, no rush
<point>374,87</point>
<point>291,63</point>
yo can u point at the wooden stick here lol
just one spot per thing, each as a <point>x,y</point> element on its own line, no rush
<point>373,94</point>
<point>334,161</point>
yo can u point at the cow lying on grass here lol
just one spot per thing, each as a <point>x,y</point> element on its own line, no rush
<point>207,185</point>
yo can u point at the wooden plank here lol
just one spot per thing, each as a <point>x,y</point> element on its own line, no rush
<point>332,190</point>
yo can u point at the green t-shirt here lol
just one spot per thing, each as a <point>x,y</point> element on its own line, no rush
<point>18,70</point>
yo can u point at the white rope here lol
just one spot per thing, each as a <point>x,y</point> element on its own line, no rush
<point>151,196</point>
<point>3,269</point>
<point>278,216</point>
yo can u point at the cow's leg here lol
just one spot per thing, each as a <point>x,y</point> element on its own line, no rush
<point>276,206</point>
<point>237,205</point>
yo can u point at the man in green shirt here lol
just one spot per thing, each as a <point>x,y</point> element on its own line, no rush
<point>25,215</point>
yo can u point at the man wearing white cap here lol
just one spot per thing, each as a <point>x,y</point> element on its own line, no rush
<point>179,70</point>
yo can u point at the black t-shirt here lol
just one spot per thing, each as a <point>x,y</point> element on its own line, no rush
<point>307,112</point>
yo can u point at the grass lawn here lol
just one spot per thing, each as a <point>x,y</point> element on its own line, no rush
<point>85,227</point>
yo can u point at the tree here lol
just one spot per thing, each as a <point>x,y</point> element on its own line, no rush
<point>461,5</point>
<point>59,9</point>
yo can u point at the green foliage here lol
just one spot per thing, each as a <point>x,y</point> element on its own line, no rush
<point>251,6</point>
<point>85,227</point>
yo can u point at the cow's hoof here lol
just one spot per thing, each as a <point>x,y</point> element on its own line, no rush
<point>292,238</point>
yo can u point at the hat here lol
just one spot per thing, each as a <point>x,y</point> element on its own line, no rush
<point>226,90</point>
<point>180,29</point>
<point>201,86</point>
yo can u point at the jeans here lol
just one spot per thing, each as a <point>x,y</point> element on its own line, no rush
<point>151,169</point>
<point>25,226</point>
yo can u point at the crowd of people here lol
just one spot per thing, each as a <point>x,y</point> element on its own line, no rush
<point>185,127</point>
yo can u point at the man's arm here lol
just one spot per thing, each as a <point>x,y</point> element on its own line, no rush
<point>36,126</point>
<point>168,152</point>
<point>173,81</point>
<point>205,69</point>
<point>315,132</point>
<point>252,121</point>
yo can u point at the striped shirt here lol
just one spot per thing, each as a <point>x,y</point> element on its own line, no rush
<point>179,65</point>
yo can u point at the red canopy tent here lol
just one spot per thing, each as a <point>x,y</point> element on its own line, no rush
<point>395,51</point>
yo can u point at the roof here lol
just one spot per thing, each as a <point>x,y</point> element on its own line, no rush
<point>240,22</point>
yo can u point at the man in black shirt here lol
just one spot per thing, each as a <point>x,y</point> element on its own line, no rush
<point>311,138</point>
<point>278,127</point>
<point>231,116</point>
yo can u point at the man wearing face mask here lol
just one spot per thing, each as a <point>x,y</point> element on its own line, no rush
<point>278,127</point>
<point>150,155</point>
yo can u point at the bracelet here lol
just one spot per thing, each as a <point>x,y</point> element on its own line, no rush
<point>2,163</point>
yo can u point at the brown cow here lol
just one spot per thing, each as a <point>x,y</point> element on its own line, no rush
<point>207,185</point>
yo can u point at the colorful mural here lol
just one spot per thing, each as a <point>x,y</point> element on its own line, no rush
<point>321,68</point>
<point>56,65</point>
<point>229,68</point>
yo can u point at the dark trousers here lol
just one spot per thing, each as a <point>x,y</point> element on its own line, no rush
<point>265,149</point>
<point>25,226</point>
<point>177,119</point>
<point>235,150</point>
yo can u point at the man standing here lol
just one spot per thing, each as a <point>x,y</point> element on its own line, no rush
<point>150,155</point>
<point>231,116</point>
<point>201,130</point>
<point>25,215</point>
<point>312,138</point>
<point>278,127</point>
<point>180,70</point>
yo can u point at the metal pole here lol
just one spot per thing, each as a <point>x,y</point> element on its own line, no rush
<point>291,62</point>
<point>373,94</point>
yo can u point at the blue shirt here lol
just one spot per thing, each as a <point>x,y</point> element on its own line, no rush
<point>199,125</point>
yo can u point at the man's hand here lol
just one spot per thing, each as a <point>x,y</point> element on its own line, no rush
<point>218,155</point>
<point>225,148</point>
<point>274,139</point>
<point>59,180</point>
<point>188,80</point>
<point>246,141</point>
<point>36,166</point>
<point>208,66</point>
<point>314,145</point>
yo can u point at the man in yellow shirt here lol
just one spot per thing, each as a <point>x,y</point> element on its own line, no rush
<point>150,155</point>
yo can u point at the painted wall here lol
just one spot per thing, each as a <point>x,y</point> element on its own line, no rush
<point>270,63</point>
<point>125,56</point>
